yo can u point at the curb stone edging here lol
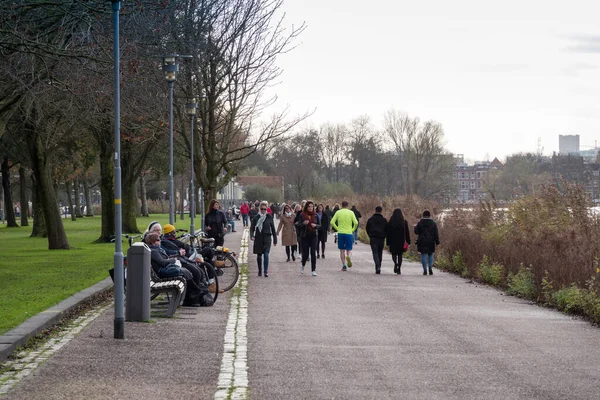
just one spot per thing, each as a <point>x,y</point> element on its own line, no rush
<point>19,336</point>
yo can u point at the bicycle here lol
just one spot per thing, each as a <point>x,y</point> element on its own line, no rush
<point>225,263</point>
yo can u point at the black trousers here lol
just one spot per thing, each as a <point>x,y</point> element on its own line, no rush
<point>377,249</point>
<point>309,244</point>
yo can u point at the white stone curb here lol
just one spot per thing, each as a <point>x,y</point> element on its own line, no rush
<point>233,378</point>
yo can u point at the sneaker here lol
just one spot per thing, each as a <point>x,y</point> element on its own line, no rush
<point>266,275</point>
<point>314,273</point>
<point>344,268</point>
<point>349,261</point>
<point>302,269</point>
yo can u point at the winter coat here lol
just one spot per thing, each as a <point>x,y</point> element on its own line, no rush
<point>395,237</point>
<point>217,220</point>
<point>357,213</point>
<point>428,237</point>
<point>244,209</point>
<point>376,226</point>
<point>324,229</point>
<point>262,239</point>
<point>252,213</point>
<point>286,226</point>
<point>306,230</point>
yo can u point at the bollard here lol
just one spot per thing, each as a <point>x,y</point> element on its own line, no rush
<point>137,305</point>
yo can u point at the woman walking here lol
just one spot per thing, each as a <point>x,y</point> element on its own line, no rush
<point>323,230</point>
<point>288,235</point>
<point>397,234</point>
<point>262,230</point>
<point>308,225</point>
<point>215,223</point>
<point>428,238</point>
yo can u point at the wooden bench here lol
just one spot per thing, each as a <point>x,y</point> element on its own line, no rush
<point>173,287</point>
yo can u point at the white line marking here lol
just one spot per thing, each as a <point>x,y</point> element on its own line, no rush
<point>233,378</point>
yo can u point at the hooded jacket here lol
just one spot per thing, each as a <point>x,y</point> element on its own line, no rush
<point>427,236</point>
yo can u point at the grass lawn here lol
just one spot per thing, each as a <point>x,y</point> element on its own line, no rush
<point>33,278</point>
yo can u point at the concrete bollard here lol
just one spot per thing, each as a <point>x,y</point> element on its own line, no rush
<point>137,306</point>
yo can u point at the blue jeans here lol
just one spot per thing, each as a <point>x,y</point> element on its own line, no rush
<point>259,261</point>
<point>427,260</point>
<point>232,223</point>
<point>245,219</point>
<point>355,234</point>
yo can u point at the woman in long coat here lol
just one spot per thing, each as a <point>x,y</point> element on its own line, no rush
<point>262,231</point>
<point>397,233</point>
<point>323,230</point>
<point>288,232</point>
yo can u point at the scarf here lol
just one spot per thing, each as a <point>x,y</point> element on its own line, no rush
<point>261,219</point>
<point>312,219</point>
<point>288,214</point>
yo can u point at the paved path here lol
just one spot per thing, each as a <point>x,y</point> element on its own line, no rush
<point>343,335</point>
<point>357,335</point>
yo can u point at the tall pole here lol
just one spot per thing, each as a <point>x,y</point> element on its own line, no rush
<point>119,322</point>
<point>192,191</point>
<point>171,185</point>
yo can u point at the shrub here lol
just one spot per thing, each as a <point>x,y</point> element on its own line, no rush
<point>568,299</point>
<point>458,264</point>
<point>490,273</point>
<point>363,237</point>
<point>263,193</point>
<point>443,262</point>
<point>522,284</point>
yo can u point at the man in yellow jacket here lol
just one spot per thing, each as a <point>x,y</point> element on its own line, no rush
<point>345,222</point>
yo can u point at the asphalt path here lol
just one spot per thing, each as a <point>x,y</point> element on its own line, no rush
<point>358,335</point>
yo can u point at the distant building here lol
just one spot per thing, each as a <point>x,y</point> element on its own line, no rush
<point>568,144</point>
<point>470,180</point>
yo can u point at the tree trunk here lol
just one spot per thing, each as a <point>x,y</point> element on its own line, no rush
<point>143,195</point>
<point>89,207</point>
<point>57,238</point>
<point>9,211</point>
<point>129,205</point>
<point>23,197</point>
<point>107,193</point>
<point>70,200</point>
<point>181,197</point>
<point>39,224</point>
<point>76,193</point>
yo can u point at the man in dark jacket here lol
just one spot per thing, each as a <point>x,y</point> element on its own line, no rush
<point>428,238</point>
<point>376,230</point>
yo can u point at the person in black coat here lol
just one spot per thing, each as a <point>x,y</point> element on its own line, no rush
<point>215,223</point>
<point>323,230</point>
<point>397,234</point>
<point>358,216</point>
<point>376,230</point>
<point>427,239</point>
<point>262,231</point>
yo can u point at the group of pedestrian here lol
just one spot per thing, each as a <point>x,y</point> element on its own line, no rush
<point>396,234</point>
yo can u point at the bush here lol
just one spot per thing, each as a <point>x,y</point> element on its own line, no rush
<point>522,284</point>
<point>458,265</point>
<point>443,262</point>
<point>568,299</point>
<point>491,273</point>
<point>263,193</point>
<point>363,237</point>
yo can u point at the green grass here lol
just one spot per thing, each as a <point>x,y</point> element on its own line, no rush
<point>33,278</point>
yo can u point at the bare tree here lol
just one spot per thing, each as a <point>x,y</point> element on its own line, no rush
<point>333,149</point>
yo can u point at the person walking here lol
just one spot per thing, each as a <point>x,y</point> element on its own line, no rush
<point>376,226</point>
<point>428,237</point>
<point>298,211</point>
<point>358,216</point>
<point>398,238</point>
<point>262,231</point>
<point>288,232</point>
<point>244,210</point>
<point>336,207</point>
<point>308,225</point>
<point>215,223</point>
<point>344,222</point>
<point>323,230</point>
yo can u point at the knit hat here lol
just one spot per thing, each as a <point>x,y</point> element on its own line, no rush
<point>168,228</point>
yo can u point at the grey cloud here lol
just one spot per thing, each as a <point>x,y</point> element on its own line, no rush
<point>584,44</point>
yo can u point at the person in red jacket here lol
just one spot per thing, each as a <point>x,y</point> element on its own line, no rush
<point>244,210</point>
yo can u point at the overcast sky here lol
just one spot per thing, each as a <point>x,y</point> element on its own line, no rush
<point>498,75</point>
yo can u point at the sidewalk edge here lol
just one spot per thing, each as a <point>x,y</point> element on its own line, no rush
<point>19,336</point>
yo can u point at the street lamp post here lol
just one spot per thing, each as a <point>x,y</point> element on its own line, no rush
<point>190,109</point>
<point>170,68</point>
<point>119,321</point>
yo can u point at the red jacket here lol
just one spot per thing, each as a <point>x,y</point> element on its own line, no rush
<point>244,209</point>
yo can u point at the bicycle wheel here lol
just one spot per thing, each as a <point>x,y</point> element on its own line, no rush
<point>227,269</point>
<point>213,281</point>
